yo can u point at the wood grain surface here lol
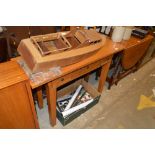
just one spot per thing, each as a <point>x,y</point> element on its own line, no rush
<point>11,73</point>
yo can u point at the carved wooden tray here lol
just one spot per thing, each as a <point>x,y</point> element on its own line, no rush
<point>59,49</point>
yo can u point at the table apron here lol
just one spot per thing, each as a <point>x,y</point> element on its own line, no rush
<point>80,72</point>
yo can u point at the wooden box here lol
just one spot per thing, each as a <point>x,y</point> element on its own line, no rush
<point>42,52</point>
<point>67,90</point>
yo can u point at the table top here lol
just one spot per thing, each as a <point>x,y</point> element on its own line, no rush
<point>108,49</point>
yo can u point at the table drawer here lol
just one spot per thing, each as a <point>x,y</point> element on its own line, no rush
<point>82,71</point>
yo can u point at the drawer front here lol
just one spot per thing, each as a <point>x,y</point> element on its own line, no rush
<point>80,72</point>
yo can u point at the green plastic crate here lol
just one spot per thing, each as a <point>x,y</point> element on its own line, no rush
<point>67,90</point>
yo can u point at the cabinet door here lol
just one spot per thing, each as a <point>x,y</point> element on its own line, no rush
<point>15,107</point>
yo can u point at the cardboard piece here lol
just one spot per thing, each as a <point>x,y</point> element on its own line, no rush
<point>145,102</point>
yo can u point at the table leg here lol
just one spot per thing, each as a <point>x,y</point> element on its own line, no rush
<point>86,78</point>
<point>103,75</point>
<point>51,99</point>
<point>40,97</point>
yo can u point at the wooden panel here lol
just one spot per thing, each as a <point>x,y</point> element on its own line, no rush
<point>3,50</point>
<point>11,73</point>
<point>15,110</point>
<point>149,53</point>
<point>38,30</point>
<point>133,54</point>
<point>21,32</point>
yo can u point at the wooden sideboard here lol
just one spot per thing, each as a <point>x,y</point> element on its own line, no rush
<point>16,103</point>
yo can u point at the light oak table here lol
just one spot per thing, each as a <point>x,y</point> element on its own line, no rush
<point>102,58</point>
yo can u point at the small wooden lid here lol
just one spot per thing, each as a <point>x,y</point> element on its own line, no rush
<point>11,73</point>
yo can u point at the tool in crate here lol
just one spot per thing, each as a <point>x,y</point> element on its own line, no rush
<point>75,101</point>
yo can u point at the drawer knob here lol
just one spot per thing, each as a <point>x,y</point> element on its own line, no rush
<point>62,79</point>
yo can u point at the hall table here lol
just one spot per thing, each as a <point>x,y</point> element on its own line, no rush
<point>102,58</point>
